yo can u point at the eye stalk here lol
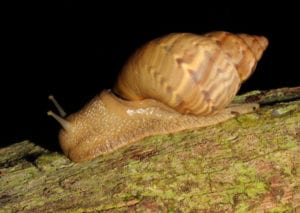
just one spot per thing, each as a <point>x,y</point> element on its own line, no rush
<point>57,105</point>
<point>59,118</point>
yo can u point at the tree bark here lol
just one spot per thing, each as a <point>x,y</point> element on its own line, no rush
<point>250,163</point>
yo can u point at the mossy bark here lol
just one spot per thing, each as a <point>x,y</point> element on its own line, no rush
<point>247,164</point>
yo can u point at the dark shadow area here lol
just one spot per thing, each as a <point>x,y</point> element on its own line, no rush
<point>74,50</point>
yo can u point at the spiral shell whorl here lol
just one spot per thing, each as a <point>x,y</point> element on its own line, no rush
<point>191,73</point>
<point>244,50</point>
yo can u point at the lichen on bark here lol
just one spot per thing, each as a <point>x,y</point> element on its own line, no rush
<point>247,164</point>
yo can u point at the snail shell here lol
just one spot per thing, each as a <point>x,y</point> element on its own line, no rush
<point>191,73</point>
<point>176,82</point>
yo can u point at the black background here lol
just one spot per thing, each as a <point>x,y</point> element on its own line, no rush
<point>74,50</point>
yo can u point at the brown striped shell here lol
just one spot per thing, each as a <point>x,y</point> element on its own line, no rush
<point>169,85</point>
<point>198,74</point>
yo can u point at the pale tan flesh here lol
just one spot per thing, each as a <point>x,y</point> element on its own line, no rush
<point>108,123</point>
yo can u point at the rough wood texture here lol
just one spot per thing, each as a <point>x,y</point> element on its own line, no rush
<point>247,164</point>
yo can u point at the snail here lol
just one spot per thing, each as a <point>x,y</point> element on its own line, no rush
<point>176,82</point>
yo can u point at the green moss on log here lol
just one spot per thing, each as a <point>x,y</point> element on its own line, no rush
<point>247,164</point>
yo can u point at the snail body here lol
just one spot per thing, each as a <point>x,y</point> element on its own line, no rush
<point>176,82</point>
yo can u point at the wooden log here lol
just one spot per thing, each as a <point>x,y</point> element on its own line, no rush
<point>250,163</point>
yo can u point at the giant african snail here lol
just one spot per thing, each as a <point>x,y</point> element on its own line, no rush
<point>176,82</point>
